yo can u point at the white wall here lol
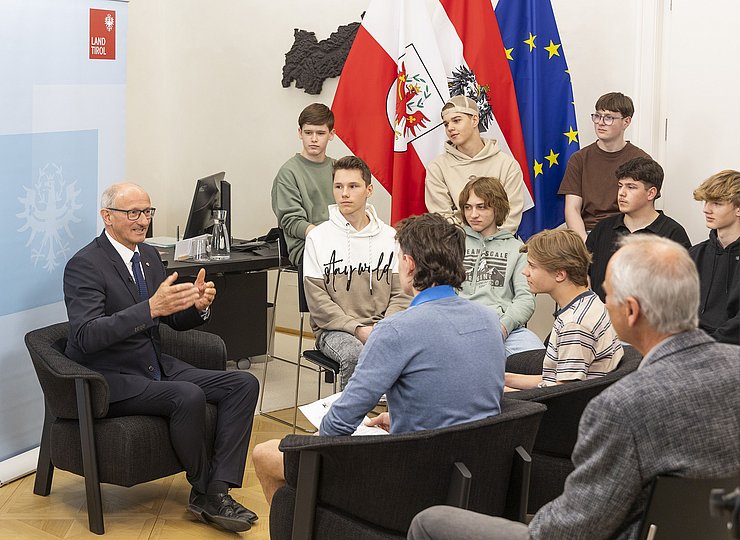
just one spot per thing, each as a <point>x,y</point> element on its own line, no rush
<point>204,94</point>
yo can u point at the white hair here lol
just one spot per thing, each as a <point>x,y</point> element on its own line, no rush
<point>111,193</point>
<point>661,276</point>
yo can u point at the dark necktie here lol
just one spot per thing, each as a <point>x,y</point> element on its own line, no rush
<point>144,294</point>
<point>139,276</point>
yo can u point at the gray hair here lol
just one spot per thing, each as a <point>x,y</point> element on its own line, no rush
<point>111,193</point>
<point>659,273</point>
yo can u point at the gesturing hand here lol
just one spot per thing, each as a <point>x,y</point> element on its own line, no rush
<point>171,298</point>
<point>206,291</point>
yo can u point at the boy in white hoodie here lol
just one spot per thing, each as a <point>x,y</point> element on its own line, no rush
<point>467,154</point>
<point>493,263</point>
<point>350,269</point>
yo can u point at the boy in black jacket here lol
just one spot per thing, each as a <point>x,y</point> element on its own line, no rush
<point>718,258</point>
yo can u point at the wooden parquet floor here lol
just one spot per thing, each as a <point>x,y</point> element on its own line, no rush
<point>154,511</point>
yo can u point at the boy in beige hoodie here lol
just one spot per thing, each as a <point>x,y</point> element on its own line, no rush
<point>468,154</point>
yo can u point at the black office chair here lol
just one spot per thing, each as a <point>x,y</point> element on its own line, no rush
<point>691,508</point>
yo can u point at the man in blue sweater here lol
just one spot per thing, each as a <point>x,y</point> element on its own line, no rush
<point>440,362</point>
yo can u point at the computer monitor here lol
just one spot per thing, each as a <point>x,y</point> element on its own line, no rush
<point>211,193</point>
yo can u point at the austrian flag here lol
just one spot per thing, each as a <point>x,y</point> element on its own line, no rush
<point>408,59</point>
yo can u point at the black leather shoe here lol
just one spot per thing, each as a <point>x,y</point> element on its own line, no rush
<point>218,510</point>
<point>242,510</point>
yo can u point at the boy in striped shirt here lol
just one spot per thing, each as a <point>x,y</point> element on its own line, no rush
<point>582,344</point>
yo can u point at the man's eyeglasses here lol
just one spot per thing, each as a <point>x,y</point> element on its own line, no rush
<point>608,118</point>
<point>135,214</point>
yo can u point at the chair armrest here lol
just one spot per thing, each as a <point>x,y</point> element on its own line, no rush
<point>58,374</point>
<point>200,349</point>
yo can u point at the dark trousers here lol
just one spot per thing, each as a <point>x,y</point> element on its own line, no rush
<point>182,399</point>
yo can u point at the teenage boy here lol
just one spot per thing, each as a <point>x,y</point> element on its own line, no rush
<point>639,183</point>
<point>718,258</point>
<point>583,344</point>
<point>350,269</point>
<point>415,356</point>
<point>468,154</point>
<point>493,263</point>
<point>589,184</point>
<point>301,191</point>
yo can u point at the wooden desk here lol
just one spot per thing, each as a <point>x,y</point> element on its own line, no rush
<point>239,311</point>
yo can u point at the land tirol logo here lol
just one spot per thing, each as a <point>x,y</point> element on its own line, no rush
<point>102,45</point>
<point>414,98</point>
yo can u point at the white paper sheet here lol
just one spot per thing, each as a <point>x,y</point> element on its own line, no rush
<point>316,411</point>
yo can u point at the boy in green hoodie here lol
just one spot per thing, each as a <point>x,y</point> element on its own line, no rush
<point>493,264</point>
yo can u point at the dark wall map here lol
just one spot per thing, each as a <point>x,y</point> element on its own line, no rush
<point>310,62</point>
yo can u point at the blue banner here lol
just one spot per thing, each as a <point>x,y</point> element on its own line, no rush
<point>48,212</point>
<point>545,99</point>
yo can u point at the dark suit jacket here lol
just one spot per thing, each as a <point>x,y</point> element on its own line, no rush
<point>111,330</point>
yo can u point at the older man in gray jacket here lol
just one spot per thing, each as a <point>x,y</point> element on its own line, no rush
<point>676,415</point>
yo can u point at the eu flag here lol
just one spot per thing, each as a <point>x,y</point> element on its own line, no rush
<point>545,99</point>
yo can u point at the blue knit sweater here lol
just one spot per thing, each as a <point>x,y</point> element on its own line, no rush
<point>440,362</point>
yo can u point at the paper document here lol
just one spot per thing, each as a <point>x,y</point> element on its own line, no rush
<point>315,412</point>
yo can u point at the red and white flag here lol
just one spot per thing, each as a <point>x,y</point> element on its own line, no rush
<point>408,58</point>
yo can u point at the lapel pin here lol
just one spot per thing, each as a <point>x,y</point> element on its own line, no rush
<point>146,263</point>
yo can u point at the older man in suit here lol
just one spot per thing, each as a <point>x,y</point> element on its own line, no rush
<point>117,294</point>
<point>675,415</point>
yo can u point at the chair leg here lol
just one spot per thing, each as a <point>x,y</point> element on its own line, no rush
<point>89,458</point>
<point>307,488</point>
<point>298,371</point>
<point>518,496</point>
<point>44,468</point>
<point>271,341</point>
<point>458,493</point>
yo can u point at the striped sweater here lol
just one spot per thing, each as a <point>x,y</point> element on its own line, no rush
<point>583,343</point>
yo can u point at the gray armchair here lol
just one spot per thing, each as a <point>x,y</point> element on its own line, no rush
<point>372,487</point>
<point>77,437</point>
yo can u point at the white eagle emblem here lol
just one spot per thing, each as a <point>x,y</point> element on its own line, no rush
<point>49,207</point>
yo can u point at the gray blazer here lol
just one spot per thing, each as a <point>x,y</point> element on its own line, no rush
<point>110,328</point>
<point>678,414</point>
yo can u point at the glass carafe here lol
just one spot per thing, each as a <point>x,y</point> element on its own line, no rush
<point>220,246</point>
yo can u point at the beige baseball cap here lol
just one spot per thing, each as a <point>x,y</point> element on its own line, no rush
<point>461,104</point>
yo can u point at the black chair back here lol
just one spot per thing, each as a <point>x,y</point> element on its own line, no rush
<point>415,472</point>
<point>679,509</point>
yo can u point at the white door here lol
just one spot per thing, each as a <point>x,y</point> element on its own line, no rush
<point>701,102</point>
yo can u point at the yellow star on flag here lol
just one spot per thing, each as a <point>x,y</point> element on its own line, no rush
<point>508,53</point>
<point>552,158</point>
<point>572,135</point>
<point>552,49</point>
<point>537,168</point>
<point>530,42</point>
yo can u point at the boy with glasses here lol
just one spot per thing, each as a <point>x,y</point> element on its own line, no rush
<point>589,184</point>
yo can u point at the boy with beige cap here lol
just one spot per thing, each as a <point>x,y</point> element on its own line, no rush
<point>468,154</point>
